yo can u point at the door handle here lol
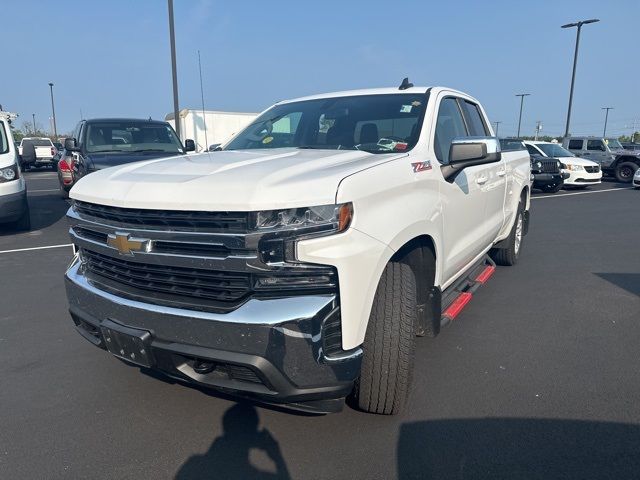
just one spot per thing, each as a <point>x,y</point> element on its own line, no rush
<point>502,173</point>
<point>481,180</point>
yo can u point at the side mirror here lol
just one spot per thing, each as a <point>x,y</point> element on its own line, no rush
<point>189,145</point>
<point>469,151</point>
<point>71,144</point>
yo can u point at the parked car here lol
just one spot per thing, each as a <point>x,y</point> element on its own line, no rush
<point>297,265</point>
<point>631,146</point>
<point>105,142</point>
<point>14,207</point>
<point>636,179</point>
<point>546,174</point>
<point>580,172</point>
<point>37,152</point>
<point>608,153</point>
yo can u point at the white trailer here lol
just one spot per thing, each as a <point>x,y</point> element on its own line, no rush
<point>209,127</point>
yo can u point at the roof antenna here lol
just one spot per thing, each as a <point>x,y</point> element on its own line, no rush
<point>405,84</point>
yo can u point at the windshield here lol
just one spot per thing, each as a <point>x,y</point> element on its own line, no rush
<point>4,143</point>
<point>131,137</point>
<point>613,143</point>
<point>373,123</point>
<point>554,150</point>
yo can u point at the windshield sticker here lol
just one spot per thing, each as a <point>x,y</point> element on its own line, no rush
<point>400,146</point>
<point>266,140</point>
<point>406,108</point>
<point>421,166</point>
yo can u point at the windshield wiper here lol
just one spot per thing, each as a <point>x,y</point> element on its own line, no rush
<point>106,150</point>
<point>148,150</point>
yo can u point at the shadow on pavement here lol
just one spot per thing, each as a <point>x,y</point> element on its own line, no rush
<point>45,211</point>
<point>627,281</point>
<point>230,455</point>
<point>518,448</point>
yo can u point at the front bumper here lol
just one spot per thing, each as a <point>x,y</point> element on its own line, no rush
<point>581,178</point>
<point>543,179</point>
<point>270,350</point>
<point>13,206</point>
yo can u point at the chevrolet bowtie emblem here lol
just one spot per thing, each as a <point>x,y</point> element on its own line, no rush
<point>125,244</point>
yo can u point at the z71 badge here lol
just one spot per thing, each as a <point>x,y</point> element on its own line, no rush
<point>421,166</point>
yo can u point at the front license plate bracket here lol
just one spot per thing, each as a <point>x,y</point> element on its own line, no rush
<point>130,344</point>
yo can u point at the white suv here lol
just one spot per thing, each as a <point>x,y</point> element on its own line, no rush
<point>582,172</point>
<point>14,208</point>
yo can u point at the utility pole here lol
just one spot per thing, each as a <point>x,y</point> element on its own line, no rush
<point>33,115</point>
<point>497,124</point>
<point>174,71</point>
<point>575,61</point>
<point>204,119</point>
<point>53,110</point>
<point>538,129</point>
<point>606,117</point>
<point>521,95</point>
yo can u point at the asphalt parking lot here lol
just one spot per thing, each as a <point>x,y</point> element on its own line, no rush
<point>538,378</point>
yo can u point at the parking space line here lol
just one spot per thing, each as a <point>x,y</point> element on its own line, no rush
<point>36,248</point>
<point>583,193</point>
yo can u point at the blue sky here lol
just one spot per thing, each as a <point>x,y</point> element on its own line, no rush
<point>111,58</point>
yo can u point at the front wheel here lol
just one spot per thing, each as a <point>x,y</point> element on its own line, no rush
<point>625,172</point>
<point>551,188</point>
<point>510,254</point>
<point>389,345</point>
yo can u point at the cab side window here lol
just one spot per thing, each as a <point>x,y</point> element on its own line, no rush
<point>477,127</point>
<point>596,145</point>
<point>449,125</point>
<point>575,144</point>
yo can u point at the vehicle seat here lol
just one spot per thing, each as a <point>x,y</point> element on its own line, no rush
<point>369,133</point>
<point>338,134</point>
<point>96,138</point>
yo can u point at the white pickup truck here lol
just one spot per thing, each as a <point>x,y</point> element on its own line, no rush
<point>298,264</point>
<point>37,152</point>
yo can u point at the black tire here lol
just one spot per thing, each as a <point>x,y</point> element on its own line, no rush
<point>389,345</point>
<point>624,171</point>
<point>64,193</point>
<point>551,188</point>
<point>509,255</point>
<point>23,224</point>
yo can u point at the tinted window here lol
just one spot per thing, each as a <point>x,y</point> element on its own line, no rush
<point>372,123</point>
<point>595,145</point>
<point>474,120</point>
<point>4,142</point>
<point>449,125</point>
<point>127,136</point>
<point>511,144</point>
<point>575,144</point>
<point>532,150</point>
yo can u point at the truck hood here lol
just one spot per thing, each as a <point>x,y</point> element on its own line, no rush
<point>625,153</point>
<point>577,161</point>
<point>98,161</point>
<point>235,180</point>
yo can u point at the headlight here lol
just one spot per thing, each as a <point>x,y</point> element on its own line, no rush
<point>575,168</point>
<point>334,218</point>
<point>8,174</point>
<point>539,165</point>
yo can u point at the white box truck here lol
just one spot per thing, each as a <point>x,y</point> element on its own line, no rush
<point>209,127</point>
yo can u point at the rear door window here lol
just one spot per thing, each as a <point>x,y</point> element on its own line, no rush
<point>575,144</point>
<point>533,150</point>
<point>475,123</point>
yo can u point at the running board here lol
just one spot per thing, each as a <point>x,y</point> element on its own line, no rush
<point>458,295</point>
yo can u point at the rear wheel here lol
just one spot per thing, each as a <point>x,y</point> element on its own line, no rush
<point>511,253</point>
<point>389,344</point>
<point>64,193</point>
<point>625,171</point>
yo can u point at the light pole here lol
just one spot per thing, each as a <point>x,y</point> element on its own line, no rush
<point>521,95</point>
<point>174,70</point>
<point>33,116</point>
<point>538,129</point>
<point>575,61</point>
<point>606,117</point>
<point>53,110</point>
<point>497,124</point>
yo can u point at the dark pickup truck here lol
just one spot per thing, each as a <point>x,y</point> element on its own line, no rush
<point>106,142</point>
